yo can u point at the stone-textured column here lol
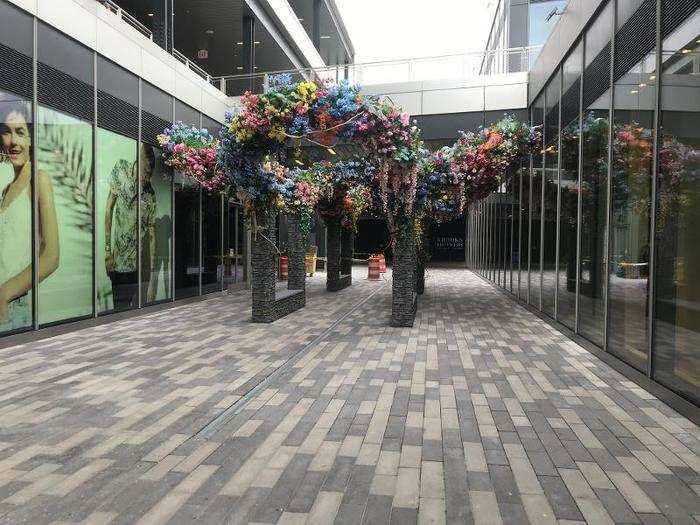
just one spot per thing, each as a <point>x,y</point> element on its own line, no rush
<point>296,247</point>
<point>403,298</point>
<point>263,276</point>
<point>420,278</point>
<point>347,250</point>
<point>333,254</point>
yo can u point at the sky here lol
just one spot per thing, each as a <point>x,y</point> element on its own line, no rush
<point>399,29</point>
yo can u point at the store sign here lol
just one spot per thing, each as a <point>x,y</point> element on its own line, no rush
<point>203,54</point>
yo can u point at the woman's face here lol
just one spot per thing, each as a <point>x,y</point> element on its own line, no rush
<point>16,141</point>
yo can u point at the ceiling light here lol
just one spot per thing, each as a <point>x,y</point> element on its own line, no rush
<point>299,162</point>
<point>685,51</point>
<point>256,42</point>
<point>255,67</point>
<point>323,37</point>
<point>331,151</point>
<point>652,77</point>
<point>239,43</point>
<point>301,20</point>
<point>150,14</point>
<point>239,67</point>
<point>642,85</point>
<point>634,91</point>
<point>209,31</point>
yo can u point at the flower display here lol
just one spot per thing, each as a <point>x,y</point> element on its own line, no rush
<point>484,158</point>
<point>306,192</point>
<point>194,152</point>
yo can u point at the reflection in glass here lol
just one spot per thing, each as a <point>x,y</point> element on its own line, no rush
<point>524,284</point>
<point>594,178</point>
<point>676,345</point>
<point>65,159</point>
<point>632,164</point>
<point>156,226</point>
<point>16,217</point>
<point>551,181</point>
<point>212,267</point>
<point>535,295</point>
<point>117,215</point>
<point>515,255</point>
<point>568,187</point>
<point>186,237</point>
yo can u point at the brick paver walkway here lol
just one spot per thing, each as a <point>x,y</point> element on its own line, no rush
<point>481,413</point>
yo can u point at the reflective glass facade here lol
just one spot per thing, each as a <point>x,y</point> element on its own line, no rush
<point>606,238</point>
<point>91,221</point>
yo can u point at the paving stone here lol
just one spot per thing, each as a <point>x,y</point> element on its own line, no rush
<point>479,413</point>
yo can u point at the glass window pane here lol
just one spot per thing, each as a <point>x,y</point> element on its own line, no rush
<point>212,265</point>
<point>594,178</point>
<point>551,181</point>
<point>632,162</point>
<point>569,187</point>
<point>16,214</point>
<point>534,297</point>
<point>156,226</point>
<point>524,285</point>
<point>117,217</point>
<point>186,237</point>
<point>676,344</point>
<point>65,168</point>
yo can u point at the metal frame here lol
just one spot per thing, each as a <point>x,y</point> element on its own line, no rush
<point>558,223</point>
<point>529,226</point>
<point>608,213</point>
<point>35,177</point>
<point>542,193</point>
<point>94,185</point>
<point>139,168</point>
<point>651,299</point>
<point>579,200</point>
<point>520,226</point>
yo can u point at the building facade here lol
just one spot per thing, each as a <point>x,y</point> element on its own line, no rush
<point>519,24</point>
<point>599,232</point>
<point>91,221</point>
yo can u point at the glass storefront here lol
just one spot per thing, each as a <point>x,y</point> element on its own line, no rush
<point>632,293</point>
<point>106,233</point>
<point>676,339</point>
<point>569,187</point>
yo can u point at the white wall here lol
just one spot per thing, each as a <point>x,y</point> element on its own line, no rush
<point>435,97</point>
<point>96,27</point>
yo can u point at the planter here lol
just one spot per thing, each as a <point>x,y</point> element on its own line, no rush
<point>335,280</point>
<point>297,255</point>
<point>267,306</point>
<point>420,279</point>
<point>403,296</point>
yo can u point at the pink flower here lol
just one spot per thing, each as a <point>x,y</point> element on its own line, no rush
<point>405,119</point>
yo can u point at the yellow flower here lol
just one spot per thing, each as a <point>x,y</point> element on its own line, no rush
<point>277,133</point>
<point>307,91</point>
<point>279,202</point>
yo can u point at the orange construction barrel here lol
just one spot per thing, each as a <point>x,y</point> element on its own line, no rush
<point>284,268</point>
<point>373,268</point>
<point>382,263</point>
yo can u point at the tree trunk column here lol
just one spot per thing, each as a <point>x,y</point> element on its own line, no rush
<point>297,255</point>
<point>403,300</point>
<point>262,260</point>
<point>333,254</point>
<point>347,251</point>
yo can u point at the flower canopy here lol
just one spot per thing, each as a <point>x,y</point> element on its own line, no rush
<point>193,151</point>
<point>290,114</point>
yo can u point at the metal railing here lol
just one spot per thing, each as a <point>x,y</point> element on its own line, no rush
<point>445,67</point>
<point>114,8</point>
<point>192,66</point>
